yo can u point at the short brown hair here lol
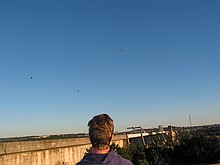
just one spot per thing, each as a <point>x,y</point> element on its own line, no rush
<point>101,128</point>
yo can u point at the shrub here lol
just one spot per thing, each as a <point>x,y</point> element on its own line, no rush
<point>197,149</point>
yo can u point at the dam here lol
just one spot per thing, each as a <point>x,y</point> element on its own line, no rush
<point>66,151</point>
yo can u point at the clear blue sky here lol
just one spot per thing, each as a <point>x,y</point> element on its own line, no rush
<point>145,63</point>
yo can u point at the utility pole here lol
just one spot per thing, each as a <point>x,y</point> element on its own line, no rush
<point>190,121</point>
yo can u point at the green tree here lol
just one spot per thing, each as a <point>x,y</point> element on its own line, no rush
<point>197,149</point>
<point>158,155</point>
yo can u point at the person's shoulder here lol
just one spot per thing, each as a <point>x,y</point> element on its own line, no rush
<point>84,160</point>
<point>125,162</point>
<point>117,158</point>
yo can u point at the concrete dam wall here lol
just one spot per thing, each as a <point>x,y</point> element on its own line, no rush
<point>49,152</point>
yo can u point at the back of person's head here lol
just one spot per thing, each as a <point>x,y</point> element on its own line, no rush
<point>101,128</point>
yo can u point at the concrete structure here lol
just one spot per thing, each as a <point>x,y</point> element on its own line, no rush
<point>48,152</point>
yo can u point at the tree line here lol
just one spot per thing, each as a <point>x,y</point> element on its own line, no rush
<point>189,149</point>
